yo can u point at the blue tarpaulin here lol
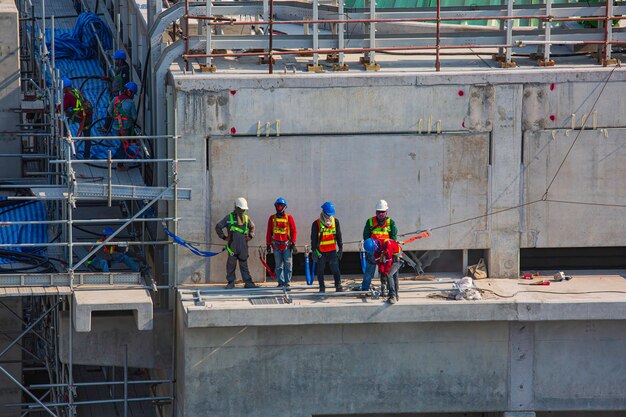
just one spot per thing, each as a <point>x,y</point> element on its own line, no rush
<point>13,211</point>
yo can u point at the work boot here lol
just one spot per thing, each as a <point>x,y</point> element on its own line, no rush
<point>339,289</point>
<point>322,288</point>
<point>280,285</point>
<point>230,285</point>
<point>250,285</point>
<point>391,300</point>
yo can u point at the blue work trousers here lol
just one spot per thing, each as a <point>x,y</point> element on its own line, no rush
<point>283,262</point>
<point>103,264</point>
<point>370,270</point>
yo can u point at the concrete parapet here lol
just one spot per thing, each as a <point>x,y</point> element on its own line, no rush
<point>138,301</point>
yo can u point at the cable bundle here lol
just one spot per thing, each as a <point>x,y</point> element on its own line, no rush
<point>81,43</point>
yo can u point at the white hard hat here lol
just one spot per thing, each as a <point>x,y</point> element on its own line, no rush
<point>382,205</point>
<point>241,203</point>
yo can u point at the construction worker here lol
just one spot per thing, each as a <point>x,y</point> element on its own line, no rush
<point>378,227</point>
<point>78,110</point>
<point>281,239</point>
<point>122,73</point>
<point>327,245</point>
<point>387,254</point>
<point>240,229</point>
<point>110,254</point>
<point>123,111</point>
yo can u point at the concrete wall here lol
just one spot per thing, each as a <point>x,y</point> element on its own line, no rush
<point>491,122</point>
<point>9,88</point>
<point>410,367</point>
<point>105,344</point>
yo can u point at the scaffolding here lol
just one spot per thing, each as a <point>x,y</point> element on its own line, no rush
<point>51,174</point>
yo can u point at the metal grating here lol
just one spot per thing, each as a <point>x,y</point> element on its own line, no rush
<point>268,300</point>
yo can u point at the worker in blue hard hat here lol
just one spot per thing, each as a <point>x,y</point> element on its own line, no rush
<point>108,255</point>
<point>377,227</point>
<point>123,112</point>
<point>78,110</point>
<point>327,245</point>
<point>281,240</point>
<point>240,230</point>
<point>121,75</point>
<point>387,254</point>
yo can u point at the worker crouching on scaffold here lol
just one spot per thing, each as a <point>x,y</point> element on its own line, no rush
<point>108,255</point>
<point>387,254</point>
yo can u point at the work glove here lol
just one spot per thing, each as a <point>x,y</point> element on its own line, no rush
<point>293,248</point>
<point>315,256</point>
<point>226,238</point>
<point>339,254</point>
<point>248,238</point>
<point>269,249</point>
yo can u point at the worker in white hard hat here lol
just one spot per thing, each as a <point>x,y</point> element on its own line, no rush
<point>240,230</point>
<point>378,227</point>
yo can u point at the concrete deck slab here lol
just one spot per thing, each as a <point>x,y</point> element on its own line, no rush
<point>593,295</point>
<point>85,302</point>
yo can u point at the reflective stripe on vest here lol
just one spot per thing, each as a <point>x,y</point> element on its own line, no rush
<point>117,114</point>
<point>107,248</point>
<point>280,229</point>
<point>79,100</point>
<point>327,242</point>
<point>235,228</point>
<point>380,232</point>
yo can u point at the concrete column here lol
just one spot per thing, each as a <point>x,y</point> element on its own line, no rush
<point>506,148</point>
<point>521,368</point>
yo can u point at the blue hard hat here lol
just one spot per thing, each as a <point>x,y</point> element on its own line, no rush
<point>280,201</point>
<point>328,208</point>
<point>131,86</point>
<point>119,54</point>
<point>66,82</point>
<point>107,231</point>
<point>370,245</point>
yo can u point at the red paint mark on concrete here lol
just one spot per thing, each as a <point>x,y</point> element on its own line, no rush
<point>233,92</point>
<point>552,86</point>
<point>461,93</point>
<point>233,130</point>
<point>552,118</point>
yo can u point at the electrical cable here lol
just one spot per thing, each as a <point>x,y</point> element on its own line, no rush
<point>545,194</point>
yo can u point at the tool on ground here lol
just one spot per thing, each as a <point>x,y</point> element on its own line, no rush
<point>267,267</point>
<point>560,276</point>
<point>527,276</point>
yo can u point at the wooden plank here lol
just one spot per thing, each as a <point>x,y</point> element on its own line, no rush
<point>12,291</point>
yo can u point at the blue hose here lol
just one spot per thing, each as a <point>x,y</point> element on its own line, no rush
<point>307,271</point>
<point>363,261</point>
<point>82,42</point>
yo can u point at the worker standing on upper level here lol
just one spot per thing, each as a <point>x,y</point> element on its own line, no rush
<point>123,111</point>
<point>281,239</point>
<point>78,110</point>
<point>378,227</point>
<point>327,245</point>
<point>122,73</point>
<point>240,231</point>
<point>387,254</point>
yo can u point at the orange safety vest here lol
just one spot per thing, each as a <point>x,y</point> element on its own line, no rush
<point>380,232</point>
<point>280,229</point>
<point>108,249</point>
<point>327,242</point>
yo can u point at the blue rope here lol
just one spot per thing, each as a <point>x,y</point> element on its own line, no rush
<point>189,246</point>
<point>81,43</point>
